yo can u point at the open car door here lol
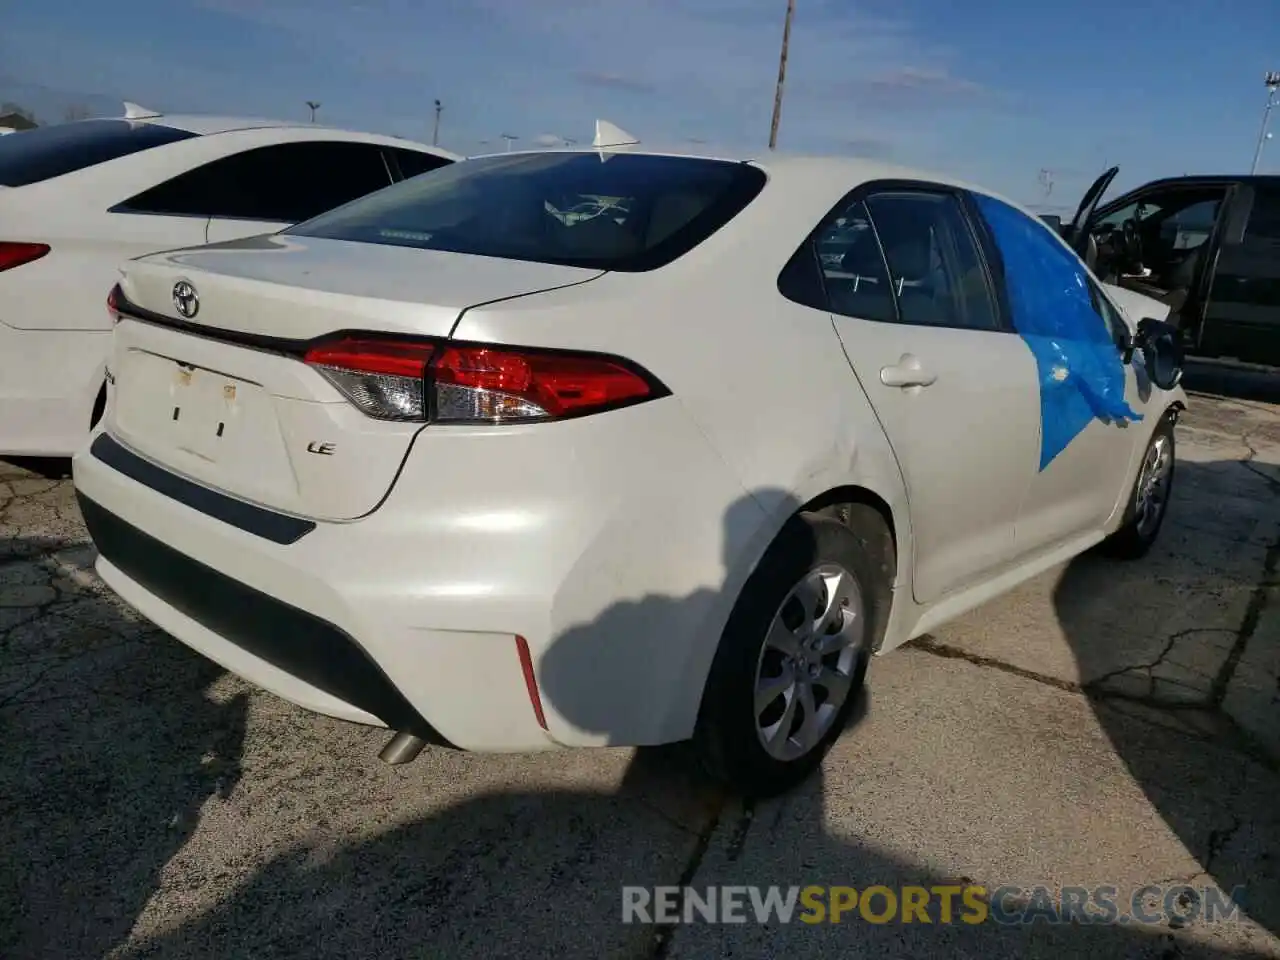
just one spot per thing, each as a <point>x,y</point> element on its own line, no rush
<point>1077,233</point>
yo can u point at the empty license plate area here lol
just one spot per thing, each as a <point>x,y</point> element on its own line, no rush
<point>207,408</point>
<point>205,423</point>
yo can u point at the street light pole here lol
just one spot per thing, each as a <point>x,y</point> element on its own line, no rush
<point>313,106</point>
<point>509,137</point>
<point>782,76</point>
<point>1273,84</point>
<point>435,133</point>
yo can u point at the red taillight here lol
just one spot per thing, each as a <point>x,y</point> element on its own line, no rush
<point>460,383</point>
<point>16,254</point>
<point>394,358</point>
<point>480,383</point>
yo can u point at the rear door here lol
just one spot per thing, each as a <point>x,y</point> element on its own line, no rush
<point>269,188</point>
<point>955,390</point>
<point>1242,311</point>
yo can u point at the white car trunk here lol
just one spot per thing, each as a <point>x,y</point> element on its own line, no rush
<point>237,409</point>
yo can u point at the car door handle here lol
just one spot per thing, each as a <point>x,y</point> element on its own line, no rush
<point>907,372</point>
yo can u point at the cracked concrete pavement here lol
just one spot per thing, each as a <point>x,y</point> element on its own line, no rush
<point>1104,724</point>
<point>1194,629</point>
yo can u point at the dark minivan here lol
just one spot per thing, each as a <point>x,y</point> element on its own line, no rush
<point>1209,247</point>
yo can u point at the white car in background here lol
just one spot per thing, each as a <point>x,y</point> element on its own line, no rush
<point>443,462</point>
<point>77,199</point>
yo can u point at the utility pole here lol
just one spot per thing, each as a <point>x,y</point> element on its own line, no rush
<point>435,134</point>
<point>313,106</point>
<point>782,76</point>
<point>1272,80</point>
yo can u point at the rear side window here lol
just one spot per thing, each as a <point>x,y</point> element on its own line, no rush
<point>1264,219</point>
<point>47,152</point>
<point>934,262</point>
<point>853,268</point>
<point>282,183</point>
<point>414,162</point>
<point>626,212</point>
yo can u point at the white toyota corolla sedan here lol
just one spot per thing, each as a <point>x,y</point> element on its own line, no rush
<point>77,198</point>
<point>613,446</point>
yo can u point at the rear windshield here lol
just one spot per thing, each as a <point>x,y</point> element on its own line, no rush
<point>627,212</point>
<point>30,156</point>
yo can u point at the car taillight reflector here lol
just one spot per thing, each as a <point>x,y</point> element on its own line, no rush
<point>468,383</point>
<point>113,302</point>
<point>530,681</point>
<point>16,254</point>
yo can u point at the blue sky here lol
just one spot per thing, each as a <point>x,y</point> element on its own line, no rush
<point>991,90</point>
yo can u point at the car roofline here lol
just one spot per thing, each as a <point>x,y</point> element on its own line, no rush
<point>840,169</point>
<point>1207,179</point>
<point>201,125</point>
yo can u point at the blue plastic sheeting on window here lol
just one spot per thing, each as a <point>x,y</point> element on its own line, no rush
<point>1080,370</point>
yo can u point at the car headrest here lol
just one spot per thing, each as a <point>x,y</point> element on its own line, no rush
<point>907,249</point>
<point>909,259</point>
<point>671,212</point>
<point>601,236</point>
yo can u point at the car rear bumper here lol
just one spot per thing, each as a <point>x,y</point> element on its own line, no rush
<point>325,668</point>
<point>265,612</point>
<point>409,618</point>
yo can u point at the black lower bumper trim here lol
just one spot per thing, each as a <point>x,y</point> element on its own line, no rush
<point>261,522</point>
<point>311,649</point>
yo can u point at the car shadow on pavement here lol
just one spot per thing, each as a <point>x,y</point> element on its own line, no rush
<point>50,468</point>
<point>1236,383</point>
<point>1167,644</point>
<point>111,741</point>
<point>526,872</point>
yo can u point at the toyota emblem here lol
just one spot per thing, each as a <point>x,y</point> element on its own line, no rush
<point>185,299</point>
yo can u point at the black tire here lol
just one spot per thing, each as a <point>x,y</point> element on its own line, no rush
<point>726,740</point>
<point>1133,540</point>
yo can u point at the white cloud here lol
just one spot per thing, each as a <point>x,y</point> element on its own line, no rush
<point>705,67</point>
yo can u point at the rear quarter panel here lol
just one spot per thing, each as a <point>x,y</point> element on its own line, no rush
<point>55,307</point>
<point>769,399</point>
<point>765,380</point>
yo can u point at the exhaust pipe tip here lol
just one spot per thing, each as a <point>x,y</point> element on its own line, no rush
<point>402,748</point>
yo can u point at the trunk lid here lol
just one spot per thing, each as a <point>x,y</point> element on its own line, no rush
<point>297,288</point>
<point>222,395</point>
